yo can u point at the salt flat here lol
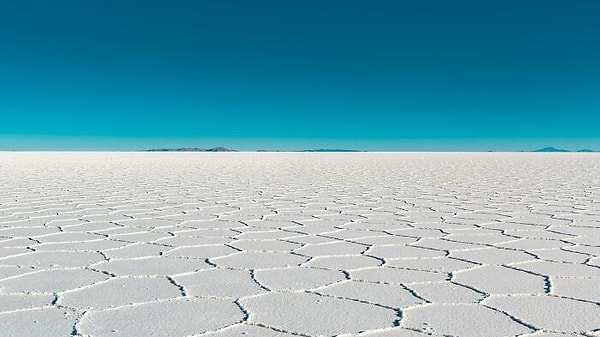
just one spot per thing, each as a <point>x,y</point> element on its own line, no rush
<point>299,244</point>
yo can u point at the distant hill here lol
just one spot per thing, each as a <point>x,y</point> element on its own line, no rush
<point>224,149</point>
<point>551,149</point>
<point>193,149</point>
<point>329,150</point>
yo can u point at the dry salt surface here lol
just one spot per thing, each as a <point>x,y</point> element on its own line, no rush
<point>299,244</point>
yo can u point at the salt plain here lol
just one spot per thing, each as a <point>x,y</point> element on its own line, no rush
<point>299,244</point>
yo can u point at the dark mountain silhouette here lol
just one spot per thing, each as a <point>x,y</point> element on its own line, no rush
<point>551,149</point>
<point>224,149</point>
<point>193,149</point>
<point>311,150</point>
<point>329,150</point>
<point>220,149</point>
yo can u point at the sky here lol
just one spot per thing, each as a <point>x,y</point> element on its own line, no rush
<point>407,75</point>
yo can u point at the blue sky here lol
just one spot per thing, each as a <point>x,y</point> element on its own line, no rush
<point>370,75</point>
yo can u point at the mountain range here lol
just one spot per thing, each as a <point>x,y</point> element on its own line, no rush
<point>193,149</point>
<point>224,149</point>
<point>553,149</point>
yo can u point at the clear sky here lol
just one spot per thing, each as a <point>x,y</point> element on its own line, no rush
<point>368,75</point>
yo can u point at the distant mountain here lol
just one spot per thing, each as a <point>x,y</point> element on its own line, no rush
<point>220,149</point>
<point>329,150</point>
<point>224,149</point>
<point>551,149</point>
<point>193,149</point>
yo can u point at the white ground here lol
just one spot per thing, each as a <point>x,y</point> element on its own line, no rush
<point>279,244</point>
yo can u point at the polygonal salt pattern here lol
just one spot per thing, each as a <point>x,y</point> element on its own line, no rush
<point>297,278</point>
<point>51,281</point>
<point>18,302</point>
<point>39,322</point>
<point>446,292</point>
<point>386,295</point>
<point>284,244</point>
<point>117,291</point>
<point>550,312</point>
<point>396,275</point>
<point>219,283</point>
<point>182,317</point>
<point>150,266</point>
<point>254,260</point>
<point>336,316</point>
<point>468,320</point>
<point>501,280</point>
<point>246,330</point>
<point>585,289</point>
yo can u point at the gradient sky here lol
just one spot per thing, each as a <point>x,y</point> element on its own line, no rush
<point>369,75</point>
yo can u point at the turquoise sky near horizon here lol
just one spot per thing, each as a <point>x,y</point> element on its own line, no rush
<point>369,75</point>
